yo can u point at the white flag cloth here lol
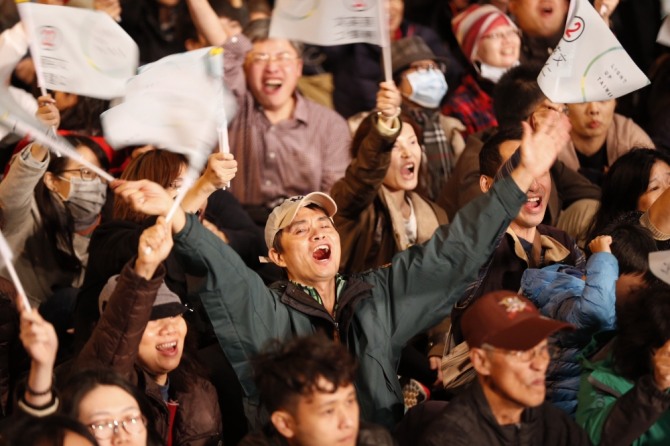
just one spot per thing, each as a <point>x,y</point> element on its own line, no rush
<point>327,22</point>
<point>79,51</point>
<point>18,121</point>
<point>664,33</point>
<point>659,265</point>
<point>175,104</point>
<point>589,64</point>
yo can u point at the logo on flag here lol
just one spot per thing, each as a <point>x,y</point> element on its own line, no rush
<point>588,64</point>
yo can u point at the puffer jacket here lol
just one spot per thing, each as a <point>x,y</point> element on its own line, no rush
<point>115,344</point>
<point>378,311</point>
<point>505,268</point>
<point>363,218</point>
<point>468,420</point>
<point>560,293</point>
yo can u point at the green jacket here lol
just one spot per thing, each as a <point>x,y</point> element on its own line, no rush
<point>378,311</point>
<point>616,411</point>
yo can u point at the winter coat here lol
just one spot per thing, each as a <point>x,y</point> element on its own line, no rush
<point>363,219</point>
<point>378,311</point>
<point>559,292</point>
<point>468,420</point>
<point>115,344</point>
<point>617,411</point>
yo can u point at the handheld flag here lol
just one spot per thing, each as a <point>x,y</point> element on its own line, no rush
<point>79,51</point>
<point>589,64</point>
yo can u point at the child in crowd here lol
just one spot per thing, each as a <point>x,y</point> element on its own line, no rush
<point>587,299</point>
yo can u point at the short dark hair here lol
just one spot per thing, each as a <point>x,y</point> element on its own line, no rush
<point>643,326</point>
<point>517,94</point>
<point>490,159</point>
<point>631,245</point>
<point>259,30</point>
<point>287,370</point>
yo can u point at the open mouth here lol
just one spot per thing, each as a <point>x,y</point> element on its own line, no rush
<point>272,85</point>
<point>533,202</point>
<point>167,347</point>
<point>407,170</point>
<point>321,252</point>
<point>546,10</point>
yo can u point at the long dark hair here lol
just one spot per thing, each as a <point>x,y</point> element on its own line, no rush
<point>57,222</point>
<point>44,431</point>
<point>626,180</point>
<point>81,383</point>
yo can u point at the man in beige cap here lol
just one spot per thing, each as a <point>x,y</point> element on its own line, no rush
<point>505,405</point>
<point>373,313</point>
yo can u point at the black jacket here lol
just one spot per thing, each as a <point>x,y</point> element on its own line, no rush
<point>467,420</point>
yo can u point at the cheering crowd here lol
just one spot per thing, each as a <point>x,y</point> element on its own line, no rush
<point>442,256</point>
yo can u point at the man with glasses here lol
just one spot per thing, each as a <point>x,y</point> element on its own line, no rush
<point>505,405</point>
<point>285,144</point>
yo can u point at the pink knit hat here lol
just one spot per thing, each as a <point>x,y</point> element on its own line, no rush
<point>470,25</point>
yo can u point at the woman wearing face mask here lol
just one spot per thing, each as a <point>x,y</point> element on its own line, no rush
<point>51,205</point>
<point>491,42</point>
<point>419,75</point>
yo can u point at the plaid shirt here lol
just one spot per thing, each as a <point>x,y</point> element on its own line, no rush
<point>472,106</point>
<point>340,282</point>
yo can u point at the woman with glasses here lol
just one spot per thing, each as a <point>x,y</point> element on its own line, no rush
<point>51,204</point>
<point>491,42</point>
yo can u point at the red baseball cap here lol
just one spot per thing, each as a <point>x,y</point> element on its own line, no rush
<point>506,320</point>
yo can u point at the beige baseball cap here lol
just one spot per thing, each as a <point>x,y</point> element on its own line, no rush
<point>283,215</point>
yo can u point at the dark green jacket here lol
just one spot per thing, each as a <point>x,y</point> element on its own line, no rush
<point>617,411</point>
<point>378,311</point>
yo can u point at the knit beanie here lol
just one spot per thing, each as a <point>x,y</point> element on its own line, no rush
<point>470,25</point>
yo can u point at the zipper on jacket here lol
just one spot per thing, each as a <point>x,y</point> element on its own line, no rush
<point>336,331</point>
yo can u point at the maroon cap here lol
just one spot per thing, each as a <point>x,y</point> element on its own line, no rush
<point>507,320</point>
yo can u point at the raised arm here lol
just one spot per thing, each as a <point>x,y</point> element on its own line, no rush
<point>40,341</point>
<point>357,189</point>
<point>207,22</point>
<point>426,281</point>
<point>221,168</point>
<point>115,340</point>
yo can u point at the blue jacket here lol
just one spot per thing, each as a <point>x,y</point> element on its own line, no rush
<point>378,311</point>
<point>560,292</point>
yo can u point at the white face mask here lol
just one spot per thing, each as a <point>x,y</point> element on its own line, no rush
<point>492,73</point>
<point>428,87</point>
<point>85,201</point>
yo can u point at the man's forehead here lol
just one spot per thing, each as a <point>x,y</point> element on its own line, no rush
<point>273,45</point>
<point>309,213</point>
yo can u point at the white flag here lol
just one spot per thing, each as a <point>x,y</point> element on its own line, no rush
<point>79,51</point>
<point>664,33</point>
<point>327,22</point>
<point>659,265</point>
<point>175,104</point>
<point>18,121</point>
<point>589,64</point>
